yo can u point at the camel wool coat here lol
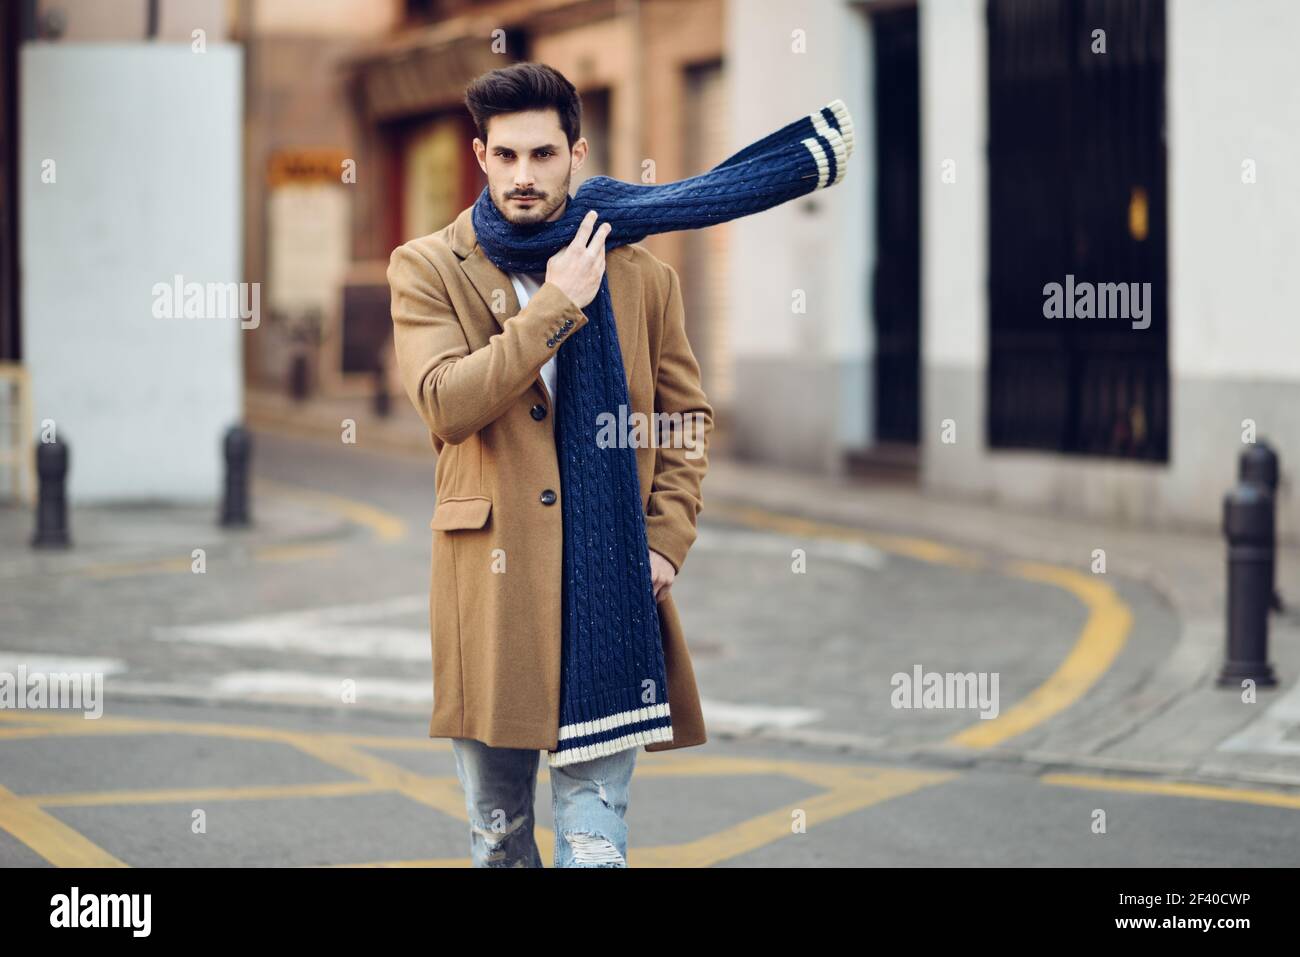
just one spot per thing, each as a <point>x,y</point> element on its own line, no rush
<point>470,360</point>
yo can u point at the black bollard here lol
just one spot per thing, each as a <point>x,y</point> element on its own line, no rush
<point>52,504</point>
<point>1259,464</point>
<point>239,452</point>
<point>1248,527</point>
<point>299,375</point>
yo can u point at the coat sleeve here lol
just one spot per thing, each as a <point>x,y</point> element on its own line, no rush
<point>686,422</point>
<point>457,391</point>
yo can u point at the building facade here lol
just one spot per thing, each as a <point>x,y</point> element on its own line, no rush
<point>387,101</point>
<point>125,314</point>
<point>1094,317</point>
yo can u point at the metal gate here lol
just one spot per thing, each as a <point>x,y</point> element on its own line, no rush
<point>1077,196</point>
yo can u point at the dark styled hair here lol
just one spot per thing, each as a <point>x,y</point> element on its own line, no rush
<point>524,86</point>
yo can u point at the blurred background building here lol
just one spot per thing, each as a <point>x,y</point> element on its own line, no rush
<point>1162,159</point>
<point>123,125</point>
<point>892,327</point>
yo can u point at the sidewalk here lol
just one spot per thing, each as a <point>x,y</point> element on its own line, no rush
<point>1174,720</point>
<point>109,536</point>
<point>322,417</point>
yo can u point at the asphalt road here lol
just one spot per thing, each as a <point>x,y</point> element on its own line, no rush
<point>223,706</point>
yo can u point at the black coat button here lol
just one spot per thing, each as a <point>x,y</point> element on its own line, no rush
<point>548,497</point>
<point>538,412</point>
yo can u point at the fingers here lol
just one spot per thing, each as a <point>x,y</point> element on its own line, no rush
<point>584,230</point>
<point>601,235</point>
<point>661,583</point>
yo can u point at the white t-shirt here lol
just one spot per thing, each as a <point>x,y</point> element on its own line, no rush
<point>525,285</point>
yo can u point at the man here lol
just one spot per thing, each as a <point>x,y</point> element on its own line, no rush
<point>477,349</point>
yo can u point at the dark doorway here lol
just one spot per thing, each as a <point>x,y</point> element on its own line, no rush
<point>12,31</point>
<point>896,283</point>
<point>1077,189</point>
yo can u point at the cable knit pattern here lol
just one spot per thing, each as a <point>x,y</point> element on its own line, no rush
<point>614,685</point>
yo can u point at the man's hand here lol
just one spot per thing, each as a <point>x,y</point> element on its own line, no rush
<point>662,574</point>
<point>578,268</point>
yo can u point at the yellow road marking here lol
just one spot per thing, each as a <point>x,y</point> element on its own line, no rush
<point>850,790</point>
<point>919,548</point>
<point>387,526</point>
<point>294,553</point>
<point>845,788</point>
<point>120,569</point>
<point>266,553</point>
<point>1209,792</point>
<point>11,734</point>
<point>440,793</point>
<point>188,795</point>
<point>1099,643</point>
<point>48,836</point>
<point>429,862</point>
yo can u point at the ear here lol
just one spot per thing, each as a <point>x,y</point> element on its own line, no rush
<point>480,153</point>
<point>578,155</point>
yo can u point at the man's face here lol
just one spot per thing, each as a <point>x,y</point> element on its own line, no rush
<point>529,165</point>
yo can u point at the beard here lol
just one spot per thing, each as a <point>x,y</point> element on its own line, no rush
<point>538,212</point>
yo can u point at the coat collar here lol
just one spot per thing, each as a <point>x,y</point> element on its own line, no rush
<point>624,288</point>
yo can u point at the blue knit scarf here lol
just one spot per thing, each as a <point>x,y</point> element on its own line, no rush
<point>613,683</point>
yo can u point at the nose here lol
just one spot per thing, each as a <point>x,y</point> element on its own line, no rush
<point>523,176</point>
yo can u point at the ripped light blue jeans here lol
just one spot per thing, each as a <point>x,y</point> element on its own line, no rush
<point>588,798</point>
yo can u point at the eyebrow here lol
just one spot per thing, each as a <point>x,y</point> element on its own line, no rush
<point>544,146</point>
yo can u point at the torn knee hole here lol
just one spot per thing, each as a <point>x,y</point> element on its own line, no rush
<point>591,848</point>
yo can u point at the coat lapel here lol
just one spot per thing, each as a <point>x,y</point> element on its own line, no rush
<point>491,282</point>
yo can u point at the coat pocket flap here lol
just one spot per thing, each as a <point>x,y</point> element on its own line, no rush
<point>461,512</point>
